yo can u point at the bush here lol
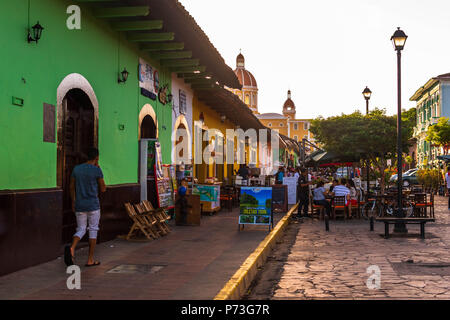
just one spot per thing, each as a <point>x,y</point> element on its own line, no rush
<point>430,178</point>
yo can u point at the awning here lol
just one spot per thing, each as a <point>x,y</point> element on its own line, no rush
<point>327,157</point>
<point>444,157</point>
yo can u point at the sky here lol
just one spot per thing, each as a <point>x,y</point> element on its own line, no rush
<point>326,52</point>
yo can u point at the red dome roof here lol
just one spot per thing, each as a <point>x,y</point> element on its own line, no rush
<point>289,103</point>
<point>245,78</point>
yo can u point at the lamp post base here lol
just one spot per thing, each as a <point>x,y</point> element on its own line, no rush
<point>400,228</point>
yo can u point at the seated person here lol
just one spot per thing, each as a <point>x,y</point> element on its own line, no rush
<point>341,190</point>
<point>353,193</point>
<point>319,197</point>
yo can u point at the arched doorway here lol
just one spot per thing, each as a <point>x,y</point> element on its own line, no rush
<point>78,135</point>
<point>148,128</point>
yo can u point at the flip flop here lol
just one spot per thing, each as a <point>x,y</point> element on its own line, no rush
<point>68,259</point>
<point>96,263</point>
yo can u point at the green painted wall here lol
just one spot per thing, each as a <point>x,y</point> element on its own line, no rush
<point>26,162</point>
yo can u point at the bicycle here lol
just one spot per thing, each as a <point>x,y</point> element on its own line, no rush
<point>385,207</point>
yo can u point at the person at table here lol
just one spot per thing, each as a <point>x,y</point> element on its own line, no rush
<point>353,192</point>
<point>319,197</point>
<point>303,194</point>
<point>342,191</point>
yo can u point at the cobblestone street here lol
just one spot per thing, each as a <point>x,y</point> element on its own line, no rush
<point>333,265</point>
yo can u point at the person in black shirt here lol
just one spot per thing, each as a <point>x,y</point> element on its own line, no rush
<point>303,194</point>
<point>243,172</point>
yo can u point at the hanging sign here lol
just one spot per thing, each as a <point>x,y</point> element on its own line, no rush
<point>148,79</point>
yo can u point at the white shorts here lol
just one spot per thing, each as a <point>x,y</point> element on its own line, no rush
<point>93,217</point>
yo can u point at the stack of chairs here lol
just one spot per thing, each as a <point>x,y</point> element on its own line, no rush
<point>150,222</point>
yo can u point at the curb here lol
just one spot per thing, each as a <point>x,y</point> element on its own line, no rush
<point>238,284</point>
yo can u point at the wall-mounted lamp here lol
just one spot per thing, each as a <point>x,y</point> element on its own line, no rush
<point>170,97</point>
<point>223,118</point>
<point>123,76</point>
<point>37,32</point>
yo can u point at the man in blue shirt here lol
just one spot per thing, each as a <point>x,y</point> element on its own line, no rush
<point>85,183</point>
<point>279,176</point>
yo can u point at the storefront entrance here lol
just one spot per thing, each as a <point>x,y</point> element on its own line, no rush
<point>78,135</point>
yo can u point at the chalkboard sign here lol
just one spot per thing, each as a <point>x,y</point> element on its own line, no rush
<point>279,198</point>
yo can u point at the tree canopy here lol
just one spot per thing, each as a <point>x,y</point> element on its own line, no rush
<point>372,136</point>
<point>439,133</point>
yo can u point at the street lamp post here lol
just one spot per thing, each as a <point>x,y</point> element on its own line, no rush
<point>367,94</point>
<point>398,40</point>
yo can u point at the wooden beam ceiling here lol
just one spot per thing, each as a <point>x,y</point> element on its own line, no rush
<point>187,69</point>
<point>180,62</point>
<point>172,55</point>
<point>151,37</point>
<point>162,46</point>
<point>118,12</point>
<point>137,25</point>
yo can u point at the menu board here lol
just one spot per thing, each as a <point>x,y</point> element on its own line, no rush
<point>291,183</point>
<point>279,198</point>
<point>256,206</point>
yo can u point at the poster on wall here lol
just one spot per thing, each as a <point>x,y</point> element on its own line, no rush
<point>291,183</point>
<point>256,206</point>
<point>148,79</point>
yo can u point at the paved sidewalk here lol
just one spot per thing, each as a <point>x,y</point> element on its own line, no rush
<point>189,263</point>
<point>334,265</point>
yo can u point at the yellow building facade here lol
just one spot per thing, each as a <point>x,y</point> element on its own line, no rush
<point>284,122</point>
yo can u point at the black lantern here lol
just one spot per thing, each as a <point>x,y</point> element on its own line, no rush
<point>367,93</point>
<point>398,39</point>
<point>170,97</point>
<point>37,32</point>
<point>124,75</point>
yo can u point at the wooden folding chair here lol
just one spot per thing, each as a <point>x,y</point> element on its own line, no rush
<point>153,218</point>
<point>139,224</point>
<point>338,205</point>
<point>160,214</point>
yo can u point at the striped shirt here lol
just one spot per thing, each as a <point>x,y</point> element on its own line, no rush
<point>340,191</point>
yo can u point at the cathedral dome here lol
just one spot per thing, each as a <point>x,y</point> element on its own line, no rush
<point>289,104</point>
<point>245,77</point>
